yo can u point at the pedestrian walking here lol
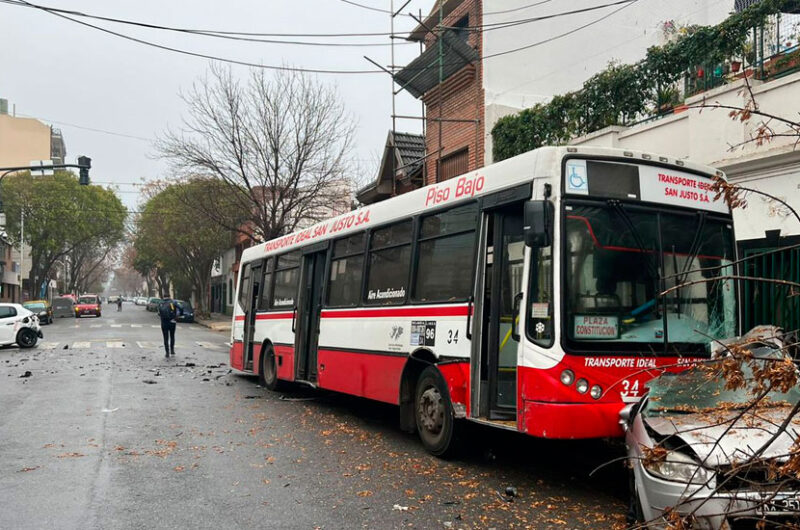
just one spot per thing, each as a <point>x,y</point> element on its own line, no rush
<point>119,303</point>
<point>168,311</point>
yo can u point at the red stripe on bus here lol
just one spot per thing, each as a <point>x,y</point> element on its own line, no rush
<point>267,316</point>
<point>399,312</point>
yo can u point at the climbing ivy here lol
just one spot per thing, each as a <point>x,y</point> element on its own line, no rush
<point>622,94</point>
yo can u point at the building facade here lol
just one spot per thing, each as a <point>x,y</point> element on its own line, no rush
<point>22,141</point>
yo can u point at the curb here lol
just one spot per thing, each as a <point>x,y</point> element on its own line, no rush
<point>214,326</point>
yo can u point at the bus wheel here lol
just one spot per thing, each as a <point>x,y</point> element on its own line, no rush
<point>434,413</point>
<point>268,375</point>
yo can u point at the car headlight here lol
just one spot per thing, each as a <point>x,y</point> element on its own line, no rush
<point>677,467</point>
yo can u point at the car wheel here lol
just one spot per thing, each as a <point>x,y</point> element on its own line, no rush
<point>268,374</point>
<point>26,338</point>
<point>434,414</point>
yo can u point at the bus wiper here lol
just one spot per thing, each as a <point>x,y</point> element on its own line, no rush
<point>694,250</point>
<point>637,238</point>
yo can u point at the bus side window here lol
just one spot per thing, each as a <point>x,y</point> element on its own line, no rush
<point>347,268</point>
<point>287,277</point>
<point>266,285</point>
<point>446,248</point>
<point>540,297</point>
<point>244,287</point>
<point>389,264</point>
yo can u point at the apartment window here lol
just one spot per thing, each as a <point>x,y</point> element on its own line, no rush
<point>454,164</point>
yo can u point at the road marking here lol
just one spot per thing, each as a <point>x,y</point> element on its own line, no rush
<point>96,326</point>
<point>48,345</point>
<point>81,345</point>
<point>115,344</point>
<point>116,325</point>
<point>136,325</point>
<point>155,326</point>
<point>210,345</point>
<point>147,345</point>
<point>76,326</point>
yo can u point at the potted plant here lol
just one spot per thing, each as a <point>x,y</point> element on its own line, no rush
<point>736,65</point>
<point>666,98</point>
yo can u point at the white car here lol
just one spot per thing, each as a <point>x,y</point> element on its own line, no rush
<point>141,300</point>
<point>18,326</point>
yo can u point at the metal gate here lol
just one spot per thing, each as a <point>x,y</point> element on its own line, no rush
<point>770,303</point>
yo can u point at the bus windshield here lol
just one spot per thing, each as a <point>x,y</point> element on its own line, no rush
<point>615,255</point>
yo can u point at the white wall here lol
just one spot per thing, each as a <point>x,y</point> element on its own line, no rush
<point>521,79</point>
<point>711,136</point>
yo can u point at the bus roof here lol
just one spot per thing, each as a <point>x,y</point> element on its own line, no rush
<point>543,163</point>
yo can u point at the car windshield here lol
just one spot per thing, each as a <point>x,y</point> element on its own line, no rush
<point>34,307</point>
<point>87,300</point>
<point>614,257</point>
<point>694,390</point>
<point>183,304</point>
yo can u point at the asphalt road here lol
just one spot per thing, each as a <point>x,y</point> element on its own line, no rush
<point>105,433</point>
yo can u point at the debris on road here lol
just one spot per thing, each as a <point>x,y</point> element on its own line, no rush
<point>26,374</point>
<point>149,382</point>
<point>398,508</point>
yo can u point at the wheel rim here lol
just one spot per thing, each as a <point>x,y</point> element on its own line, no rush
<point>26,338</point>
<point>431,410</point>
<point>269,367</point>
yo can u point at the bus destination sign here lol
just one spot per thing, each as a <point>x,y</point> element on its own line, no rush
<point>649,183</point>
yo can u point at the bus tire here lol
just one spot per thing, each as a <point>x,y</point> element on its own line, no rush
<point>268,372</point>
<point>436,423</point>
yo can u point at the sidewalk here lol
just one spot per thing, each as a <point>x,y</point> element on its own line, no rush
<point>217,322</point>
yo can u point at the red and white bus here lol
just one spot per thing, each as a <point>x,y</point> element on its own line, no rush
<point>524,295</point>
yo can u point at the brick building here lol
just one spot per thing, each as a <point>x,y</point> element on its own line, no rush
<point>447,77</point>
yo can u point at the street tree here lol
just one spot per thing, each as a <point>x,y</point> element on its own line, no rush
<point>279,143</point>
<point>172,239</point>
<point>61,217</point>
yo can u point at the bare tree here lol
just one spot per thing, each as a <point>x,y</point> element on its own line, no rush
<point>280,141</point>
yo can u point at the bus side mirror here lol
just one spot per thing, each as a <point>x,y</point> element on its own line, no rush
<point>538,223</point>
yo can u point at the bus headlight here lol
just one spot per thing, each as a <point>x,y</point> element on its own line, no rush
<point>567,377</point>
<point>596,392</point>
<point>582,386</point>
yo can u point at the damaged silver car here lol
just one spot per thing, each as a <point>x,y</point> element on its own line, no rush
<point>704,455</point>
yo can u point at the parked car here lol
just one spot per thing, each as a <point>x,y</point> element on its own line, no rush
<point>42,308</point>
<point>705,441</point>
<point>88,304</point>
<point>113,299</point>
<point>63,306</point>
<point>140,300</point>
<point>186,313</point>
<point>18,325</point>
<point>152,304</point>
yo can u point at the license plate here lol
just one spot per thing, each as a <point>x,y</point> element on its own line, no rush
<point>782,505</point>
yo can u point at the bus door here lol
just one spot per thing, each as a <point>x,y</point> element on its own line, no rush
<point>503,247</point>
<point>251,285</point>
<point>309,307</point>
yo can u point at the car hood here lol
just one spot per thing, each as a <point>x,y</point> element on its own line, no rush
<point>718,442</point>
<point>87,306</point>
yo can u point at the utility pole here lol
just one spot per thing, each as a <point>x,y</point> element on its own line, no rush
<point>22,257</point>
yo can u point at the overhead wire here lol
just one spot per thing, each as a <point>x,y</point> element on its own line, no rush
<point>22,3</point>
<point>202,55</point>
<point>561,35</point>
<point>500,25</point>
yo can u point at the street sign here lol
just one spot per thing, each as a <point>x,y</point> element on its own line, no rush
<point>40,163</point>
